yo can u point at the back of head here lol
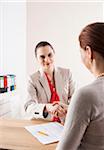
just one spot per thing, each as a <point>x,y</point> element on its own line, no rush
<point>93,35</point>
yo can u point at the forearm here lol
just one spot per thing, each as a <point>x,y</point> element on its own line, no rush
<point>36,111</point>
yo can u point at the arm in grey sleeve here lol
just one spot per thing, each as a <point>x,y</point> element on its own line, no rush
<point>77,120</point>
<point>71,86</point>
<point>32,106</point>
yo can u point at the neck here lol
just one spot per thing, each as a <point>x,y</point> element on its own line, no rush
<point>98,68</point>
<point>50,74</point>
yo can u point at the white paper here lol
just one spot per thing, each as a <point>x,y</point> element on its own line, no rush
<point>46,133</point>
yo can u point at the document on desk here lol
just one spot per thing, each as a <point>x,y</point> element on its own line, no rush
<point>46,133</point>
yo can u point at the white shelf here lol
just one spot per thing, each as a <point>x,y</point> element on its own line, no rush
<point>6,100</point>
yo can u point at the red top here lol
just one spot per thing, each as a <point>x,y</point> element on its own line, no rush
<point>54,96</point>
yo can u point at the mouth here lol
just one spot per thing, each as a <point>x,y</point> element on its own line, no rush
<point>47,64</point>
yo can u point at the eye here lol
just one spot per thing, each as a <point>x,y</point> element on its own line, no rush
<point>42,56</point>
<point>50,55</point>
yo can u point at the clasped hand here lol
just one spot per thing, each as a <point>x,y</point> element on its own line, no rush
<point>57,109</point>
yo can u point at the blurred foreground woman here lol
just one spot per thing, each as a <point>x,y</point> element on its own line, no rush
<point>84,126</point>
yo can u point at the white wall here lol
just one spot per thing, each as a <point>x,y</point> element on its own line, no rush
<point>14,39</point>
<point>1,37</point>
<point>13,44</point>
<point>60,23</point>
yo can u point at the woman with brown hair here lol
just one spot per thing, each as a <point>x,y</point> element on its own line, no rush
<point>84,126</point>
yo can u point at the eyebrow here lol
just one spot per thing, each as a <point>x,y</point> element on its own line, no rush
<point>44,55</point>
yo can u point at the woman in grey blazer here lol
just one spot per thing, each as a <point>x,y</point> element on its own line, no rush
<point>38,103</point>
<point>84,126</point>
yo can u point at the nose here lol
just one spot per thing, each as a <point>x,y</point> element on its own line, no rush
<point>47,59</point>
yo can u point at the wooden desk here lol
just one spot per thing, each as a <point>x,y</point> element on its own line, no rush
<point>14,136</point>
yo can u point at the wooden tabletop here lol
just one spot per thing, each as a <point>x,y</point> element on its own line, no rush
<point>13,136</point>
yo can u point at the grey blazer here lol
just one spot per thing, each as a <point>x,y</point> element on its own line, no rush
<point>38,91</point>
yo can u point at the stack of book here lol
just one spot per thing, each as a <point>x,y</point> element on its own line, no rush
<point>7,83</point>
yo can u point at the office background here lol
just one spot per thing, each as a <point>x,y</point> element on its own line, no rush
<point>24,23</point>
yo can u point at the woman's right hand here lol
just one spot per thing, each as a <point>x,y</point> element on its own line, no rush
<point>52,109</point>
<point>56,109</point>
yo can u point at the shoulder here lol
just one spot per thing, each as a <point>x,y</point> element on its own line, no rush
<point>85,94</point>
<point>89,89</point>
<point>93,91</point>
<point>34,77</point>
<point>64,71</point>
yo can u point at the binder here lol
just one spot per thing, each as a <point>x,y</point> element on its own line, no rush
<point>7,83</point>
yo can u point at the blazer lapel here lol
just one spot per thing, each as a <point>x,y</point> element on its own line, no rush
<point>45,84</point>
<point>58,82</point>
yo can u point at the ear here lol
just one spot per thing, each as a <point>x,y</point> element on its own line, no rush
<point>89,52</point>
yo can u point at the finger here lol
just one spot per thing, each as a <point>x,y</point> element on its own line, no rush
<point>65,106</point>
<point>56,113</point>
<point>55,108</point>
<point>55,103</point>
<point>61,109</point>
<point>60,114</point>
<point>52,109</point>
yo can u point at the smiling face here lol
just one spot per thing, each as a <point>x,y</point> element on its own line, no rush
<point>45,57</point>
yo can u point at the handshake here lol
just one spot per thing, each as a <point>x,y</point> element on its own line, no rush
<point>56,109</point>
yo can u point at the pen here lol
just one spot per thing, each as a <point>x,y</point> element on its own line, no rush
<point>42,133</point>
